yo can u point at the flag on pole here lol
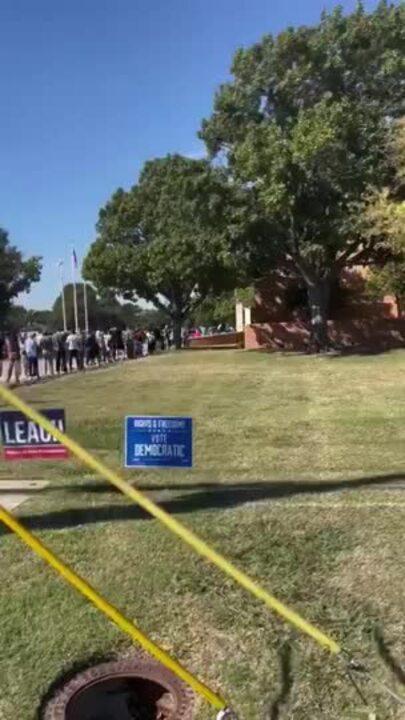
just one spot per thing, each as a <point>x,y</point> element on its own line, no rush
<point>74,268</point>
<point>62,291</point>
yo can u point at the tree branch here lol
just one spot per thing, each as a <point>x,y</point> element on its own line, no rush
<point>159,304</point>
<point>193,305</point>
<point>354,254</point>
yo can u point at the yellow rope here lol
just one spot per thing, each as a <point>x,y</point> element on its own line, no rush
<point>109,610</point>
<point>190,538</point>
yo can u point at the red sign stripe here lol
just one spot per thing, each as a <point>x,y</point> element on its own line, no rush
<point>39,452</point>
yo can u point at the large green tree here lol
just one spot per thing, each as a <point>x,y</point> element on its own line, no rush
<point>301,128</point>
<point>16,274</point>
<point>165,240</point>
<point>216,310</point>
<point>383,220</point>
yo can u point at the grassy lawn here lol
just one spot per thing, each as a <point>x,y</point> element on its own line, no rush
<point>297,479</point>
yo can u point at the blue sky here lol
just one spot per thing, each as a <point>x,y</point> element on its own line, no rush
<point>90,89</point>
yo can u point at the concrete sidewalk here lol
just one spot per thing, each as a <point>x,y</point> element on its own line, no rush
<point>14,492</point>
<point>24,379</point>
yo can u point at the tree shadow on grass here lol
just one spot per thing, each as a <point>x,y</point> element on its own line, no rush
<point>253,490</point>
<point>275,710</point>
<point>365,350</point>
<point>19,491</point>
<point>201,497</point>
<point>387,657</point>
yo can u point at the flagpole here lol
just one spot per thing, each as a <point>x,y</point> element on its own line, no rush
<point>86,310</point>
<point>74,265</point>
<point>62,292</point>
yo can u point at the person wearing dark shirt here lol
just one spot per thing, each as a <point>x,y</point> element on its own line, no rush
<point>2,353</point>
<point>13,356</point>
<point>59,344</point>
<point>91,349</point>
<point>47,350</point>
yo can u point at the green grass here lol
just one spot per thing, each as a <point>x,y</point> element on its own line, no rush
<point>296,458</point>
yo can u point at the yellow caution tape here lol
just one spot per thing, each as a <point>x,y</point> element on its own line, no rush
<point>190,538</point>
<point>109,610</point>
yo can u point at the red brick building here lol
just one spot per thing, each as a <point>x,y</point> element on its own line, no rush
<point>279,317</point>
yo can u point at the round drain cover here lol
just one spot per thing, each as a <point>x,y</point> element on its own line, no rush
<point>133,689</point>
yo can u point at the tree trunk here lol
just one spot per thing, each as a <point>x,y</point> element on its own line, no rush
<point>177,324</point>
<point>318,300</point>
<point>398,300</point>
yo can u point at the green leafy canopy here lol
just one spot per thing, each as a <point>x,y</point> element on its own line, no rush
<point>165,240</point>
<point>301,127</point>
<point>383,220</point>
<point>16,274</point>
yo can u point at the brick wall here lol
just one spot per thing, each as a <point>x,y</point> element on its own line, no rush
<point>212,341</point>
<point>369,333</point>
<point>278,292</point>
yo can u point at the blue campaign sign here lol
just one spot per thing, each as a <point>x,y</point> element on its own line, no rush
<point>155,441</point>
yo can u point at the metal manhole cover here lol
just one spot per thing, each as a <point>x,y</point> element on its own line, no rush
<point>133,689</point>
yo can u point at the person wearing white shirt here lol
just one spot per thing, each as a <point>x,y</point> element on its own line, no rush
<point>31,350</point>
<point>73,347</point>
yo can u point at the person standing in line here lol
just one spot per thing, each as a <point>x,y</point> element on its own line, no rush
<point>158,339</point>
<point>100,339</point>
<point>119,335</point>
<point>166,337</point>
<point>31,349</point>
<point>113,343</point>
<point>107,343</point>
<point>2,353</point>
<point>91,349</point>
<point>59,349</point>
<point>129,344</point>
<point>138,343</point>
<point>73,347</point>
<point>145,344</point>
<point>96,351</point>
<point>47,350</point>
<point>150,335</point>
<point>87,350</point>
<point>13,355</point>
<point>82,349</point>
<point>23,355</point>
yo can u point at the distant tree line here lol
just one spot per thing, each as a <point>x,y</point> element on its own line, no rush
<point>16,275</point>
<point>104,313</point>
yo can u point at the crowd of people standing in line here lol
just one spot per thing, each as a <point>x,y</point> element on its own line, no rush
<point>64,352</point>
